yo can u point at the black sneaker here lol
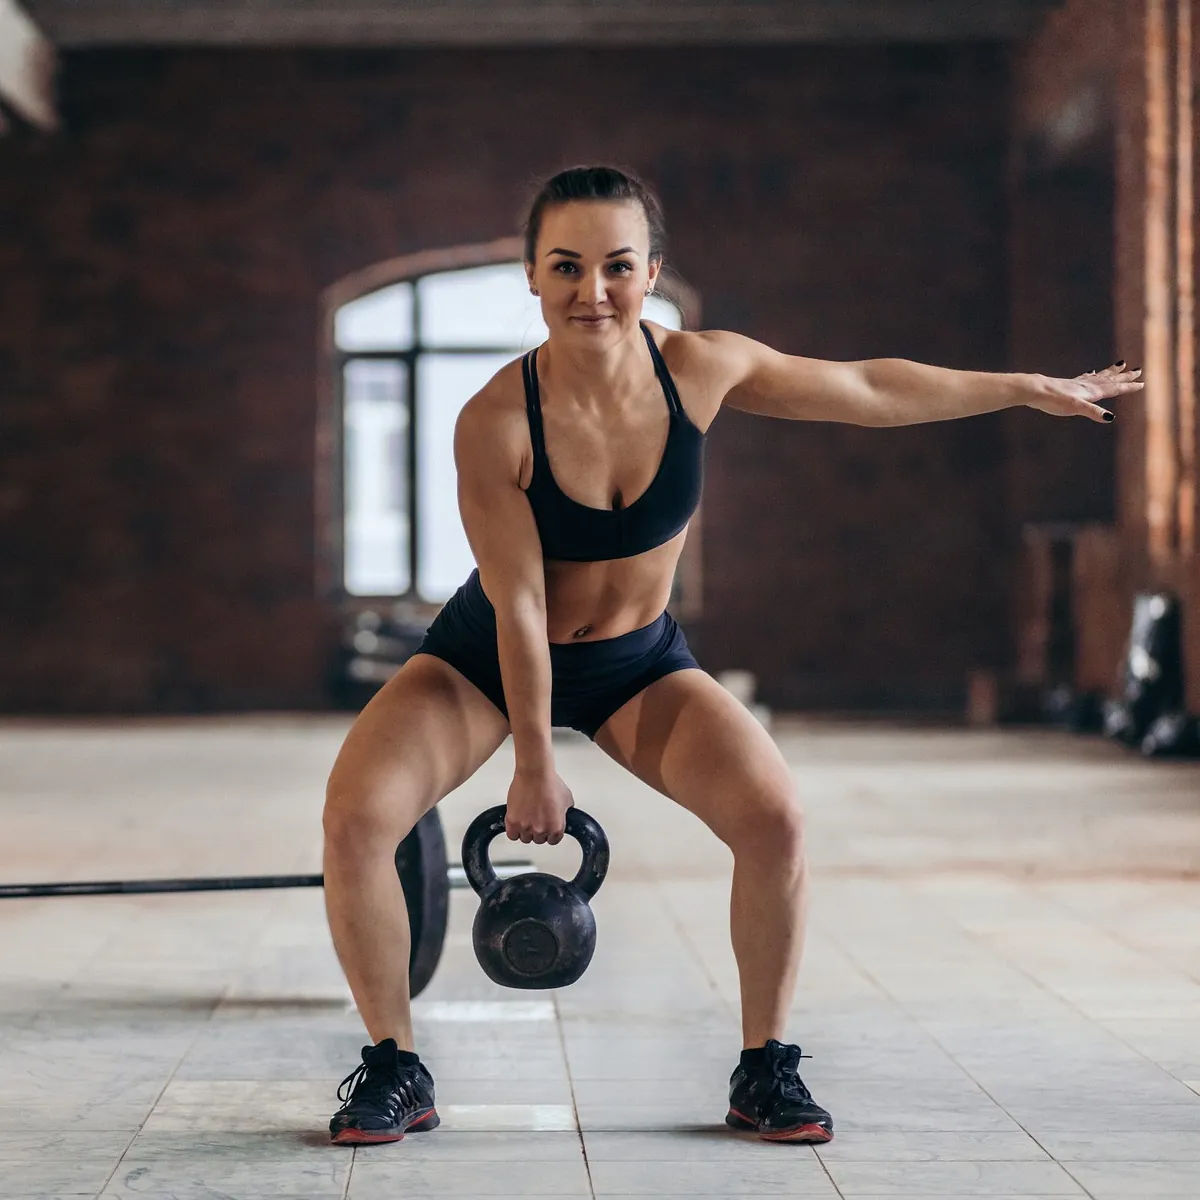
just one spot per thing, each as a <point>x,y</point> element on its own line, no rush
<point>767,1096</point>
<point>388,1095</point>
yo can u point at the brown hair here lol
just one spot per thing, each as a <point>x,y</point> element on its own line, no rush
<point>595,183</point>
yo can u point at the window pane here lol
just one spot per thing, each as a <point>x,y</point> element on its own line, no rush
<point>445,382</point>
<point>662,312</point>
<point>380,320</point>
<point>375,487</point>
<point>482,306</point>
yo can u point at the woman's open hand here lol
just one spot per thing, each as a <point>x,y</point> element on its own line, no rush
<point>1082,396</point>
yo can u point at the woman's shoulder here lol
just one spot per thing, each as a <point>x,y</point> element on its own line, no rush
<point>496,412</point>
<point>703,364</point>
<point>503,394</point>
<point>694,347</point>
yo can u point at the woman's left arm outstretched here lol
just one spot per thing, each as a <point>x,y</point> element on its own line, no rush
<point>895,391</point>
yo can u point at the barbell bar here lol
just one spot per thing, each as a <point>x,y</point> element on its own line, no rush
<point>425,876</point>
<point>218,883</point>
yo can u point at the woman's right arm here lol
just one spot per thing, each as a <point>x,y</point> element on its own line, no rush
<point>489,447</point>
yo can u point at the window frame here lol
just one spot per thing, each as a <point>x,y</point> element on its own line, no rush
<point>330,445</point>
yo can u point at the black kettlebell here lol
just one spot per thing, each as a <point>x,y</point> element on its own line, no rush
<point>534,930</point>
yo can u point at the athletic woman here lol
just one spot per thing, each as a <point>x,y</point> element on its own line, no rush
<point>579,467</point>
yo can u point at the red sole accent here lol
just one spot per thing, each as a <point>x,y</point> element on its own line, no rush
<point>804,1133</point>
<point>359,1137</point>
<point>356,1137</point>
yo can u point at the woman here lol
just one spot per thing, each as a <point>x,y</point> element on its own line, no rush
<point>579,467</point>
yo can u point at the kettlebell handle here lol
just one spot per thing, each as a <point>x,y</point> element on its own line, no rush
<point>489,825</point>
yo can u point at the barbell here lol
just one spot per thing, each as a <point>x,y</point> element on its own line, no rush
<point>425,875</point>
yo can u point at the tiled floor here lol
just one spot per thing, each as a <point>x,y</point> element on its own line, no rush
<point>1001,994</point>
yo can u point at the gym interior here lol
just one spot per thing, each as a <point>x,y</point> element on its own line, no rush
<point>255,257</point>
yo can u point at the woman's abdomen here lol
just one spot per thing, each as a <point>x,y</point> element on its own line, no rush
<point>587,601</point>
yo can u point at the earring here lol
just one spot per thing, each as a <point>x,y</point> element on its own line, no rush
<point>649,291</point>
<point>534,292</point>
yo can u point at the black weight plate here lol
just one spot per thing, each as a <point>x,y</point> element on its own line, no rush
<point>424,874</point>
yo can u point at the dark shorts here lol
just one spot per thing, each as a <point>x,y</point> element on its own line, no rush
<point>591,680</point>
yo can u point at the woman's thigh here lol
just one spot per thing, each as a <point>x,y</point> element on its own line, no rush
<point>688,738</point>
<point>425,732</point>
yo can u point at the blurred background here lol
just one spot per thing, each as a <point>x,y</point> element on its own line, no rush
<point>255,256</point>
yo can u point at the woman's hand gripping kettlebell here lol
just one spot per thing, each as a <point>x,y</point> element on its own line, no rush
<point>537,807</point>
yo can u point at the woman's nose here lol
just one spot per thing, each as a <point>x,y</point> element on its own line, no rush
<point>593,288</point>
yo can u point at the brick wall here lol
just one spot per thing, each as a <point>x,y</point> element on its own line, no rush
<point>1062,324</point>
<point>1062,271</point>
<point>161,262</point>
<point>1098,86</point>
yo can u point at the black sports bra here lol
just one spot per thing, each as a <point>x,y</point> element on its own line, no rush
<point>575,532</point>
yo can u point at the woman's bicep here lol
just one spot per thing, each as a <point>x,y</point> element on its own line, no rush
<point>759,379</point>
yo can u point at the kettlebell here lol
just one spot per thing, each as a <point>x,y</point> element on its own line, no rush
<point>534,930</point>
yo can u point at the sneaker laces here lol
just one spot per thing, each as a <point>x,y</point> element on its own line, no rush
<point>368,1082</point>
<point>785,1069</point>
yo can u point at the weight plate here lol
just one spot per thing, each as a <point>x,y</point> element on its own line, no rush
<point>423,868</point>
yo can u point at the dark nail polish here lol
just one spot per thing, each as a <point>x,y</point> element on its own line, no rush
<point>1109,416</point>
<point>1119,363</point>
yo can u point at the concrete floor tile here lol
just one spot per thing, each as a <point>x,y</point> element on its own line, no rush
<point>709,1117</point>
<point>878,1145</point>
<point>666,1092</point>
<point>513,1090</point>
<point>208,1106</point>
<point>381,1174</point>
<point>867,1119</point>
<point>19,1146</point>
<point>497,1118</point>
<point>485,1012</point>
<point>695,1145</point>
<point>816,1189</point>
<point>956,1179</point>
<point>1087,1114</point>
<point>78,1116</point>
<point>66,1173</point>
<point>205,1173</point>
<point>1123,1145</point>
<point>791,1170</point>
<point>187,1189</point>
<point>1146,1180</point>
<point>449,1144</point>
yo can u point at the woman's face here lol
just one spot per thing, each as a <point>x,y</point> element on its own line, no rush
<point>592,270</point>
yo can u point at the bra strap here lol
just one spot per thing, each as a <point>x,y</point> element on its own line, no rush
<point>533,403</point>
<point>664,376</point>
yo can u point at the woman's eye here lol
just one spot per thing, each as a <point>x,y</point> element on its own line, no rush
<point>569,268</point>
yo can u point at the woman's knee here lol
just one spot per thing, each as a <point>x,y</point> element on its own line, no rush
<point>364,815</point>
<point>774,826</point>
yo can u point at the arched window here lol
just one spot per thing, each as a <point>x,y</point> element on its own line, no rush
<point>407,356</point>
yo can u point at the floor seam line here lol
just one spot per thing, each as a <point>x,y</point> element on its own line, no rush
<point>562,1041</point>
<point>162,1091</point>
<point>828,1174</point>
